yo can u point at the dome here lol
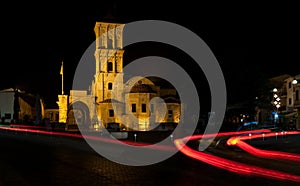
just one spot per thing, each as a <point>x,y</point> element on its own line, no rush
<point>142,88</point>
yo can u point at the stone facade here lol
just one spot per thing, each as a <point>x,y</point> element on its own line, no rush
<point>133,108</point>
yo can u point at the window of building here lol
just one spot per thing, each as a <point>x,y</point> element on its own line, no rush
<point>290,84</point>
<point>109,66</point>
<point>109,86</point>
<point>111,113</point>
<point>297,95</point>
<point>170,113</point>
<point>290,101</point>
<point>116,66</point>
<point>133,107</point>
<point>143,107</point>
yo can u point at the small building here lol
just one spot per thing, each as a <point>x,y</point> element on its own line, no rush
<point>52,114</point>
<point>282,102</point>
<point>17,106</point>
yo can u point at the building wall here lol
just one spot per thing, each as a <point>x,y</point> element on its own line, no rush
<point>108,114</point>
<point>7,105</point>
<point>79,99</point>
<point>174,116</point>
<point>26,107</point>
<point>109,60</point>
<point>52,115</point>
<point>26,111</point>
<point>141,111</point>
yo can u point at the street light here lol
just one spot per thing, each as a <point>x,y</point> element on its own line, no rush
<point>276,103</point>
<point>294,82</point>
<point>276,99</point>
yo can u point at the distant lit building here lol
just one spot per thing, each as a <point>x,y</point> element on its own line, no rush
<point>284,98</point>
<point>19,106</point>
<point>293,99</point>
<point>94,108</point>
<point>52,114</point>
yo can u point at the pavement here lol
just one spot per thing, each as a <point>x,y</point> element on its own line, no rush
<point>36,159</point>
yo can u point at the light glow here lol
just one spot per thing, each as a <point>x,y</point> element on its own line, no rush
<point>90,137</point>
<point>242,168</point>
<point>237,139</point>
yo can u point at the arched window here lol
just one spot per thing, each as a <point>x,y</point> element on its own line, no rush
<point>143,107</point>
<point>110,86</point>
<point>109,66</point>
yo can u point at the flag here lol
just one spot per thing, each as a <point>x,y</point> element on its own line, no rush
<point>61,69</point>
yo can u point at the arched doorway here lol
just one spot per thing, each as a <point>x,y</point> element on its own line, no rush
<point>79,113</point>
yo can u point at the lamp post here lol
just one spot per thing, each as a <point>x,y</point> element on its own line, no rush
<point>277,104</point>
<point>296,119</point>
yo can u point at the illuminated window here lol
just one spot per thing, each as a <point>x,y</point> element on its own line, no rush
<point>133,107</point>
<point>109,66</point>
<point>111,113</point>
<point>109,86</point>
<point>143,107</point>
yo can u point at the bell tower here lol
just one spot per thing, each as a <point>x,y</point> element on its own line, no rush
<point>109,60</point>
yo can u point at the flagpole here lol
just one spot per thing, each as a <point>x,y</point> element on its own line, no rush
<point>62,78</point>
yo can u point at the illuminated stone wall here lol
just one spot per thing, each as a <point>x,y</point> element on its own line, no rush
<point>108,65</point>
<point>52,115</point>
<point>26,110</point>
<point>62,108</point>
<point>109,60</point>
<point>108,114</point>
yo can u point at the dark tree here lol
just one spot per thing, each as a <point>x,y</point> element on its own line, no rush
<point>16,106</point>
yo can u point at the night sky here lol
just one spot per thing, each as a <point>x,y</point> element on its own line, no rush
<point>250,41</point>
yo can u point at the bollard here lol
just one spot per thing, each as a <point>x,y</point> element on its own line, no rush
<point>171,136</point>
<point>134,137</point>
<point>250,137</point>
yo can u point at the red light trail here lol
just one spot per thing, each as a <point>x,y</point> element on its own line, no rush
<point>237,139</point>
<point>242,168</point>
<point>90,137</point>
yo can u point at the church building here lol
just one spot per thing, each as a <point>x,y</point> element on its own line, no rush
<point>97,107</point>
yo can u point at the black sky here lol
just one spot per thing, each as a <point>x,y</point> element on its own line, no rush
<point>250,41</point>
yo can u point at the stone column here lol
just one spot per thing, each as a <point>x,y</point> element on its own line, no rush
<point>103,36</point>
<point>119,36</point>
<point>111,36</point>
